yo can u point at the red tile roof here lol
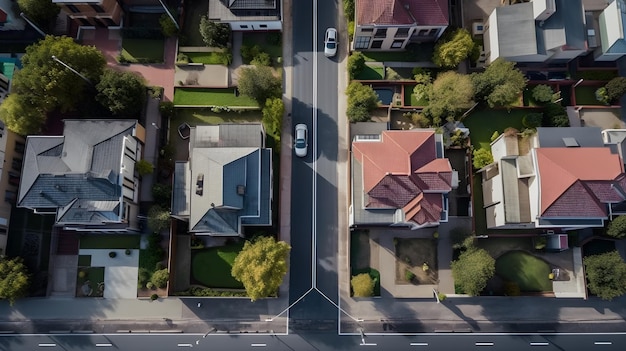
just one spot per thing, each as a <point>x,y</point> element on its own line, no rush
<point>571,188</point>
<point>402,171</point>
<point>3,16</point>
<point>402,12</point>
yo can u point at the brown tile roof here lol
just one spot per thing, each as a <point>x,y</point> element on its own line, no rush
<point>402,171</point>
<point>402,12</point>
<point>570,187</point>
<point>3,16</point>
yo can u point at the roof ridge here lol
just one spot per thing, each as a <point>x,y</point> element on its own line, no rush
<point>565,185</point>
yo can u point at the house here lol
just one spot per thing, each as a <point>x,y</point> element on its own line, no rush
<point>611,28</point>
<point>85,177</point>
<point>400,178</point>
<point>11,154</point>
<point>390,25</point>
<point>227,182</point>
<point>247,15</point>
<point>99,13</point>
<point>560,178</point>
<point>536,31</point>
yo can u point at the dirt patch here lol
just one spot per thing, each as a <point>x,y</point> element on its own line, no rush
<point>419,257</point>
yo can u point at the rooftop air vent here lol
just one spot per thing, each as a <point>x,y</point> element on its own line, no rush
<point>241,190</point>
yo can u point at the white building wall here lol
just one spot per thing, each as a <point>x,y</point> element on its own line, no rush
<point>249,26</point>
<point>534,190</point>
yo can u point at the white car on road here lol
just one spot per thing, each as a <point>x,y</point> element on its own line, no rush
<point>300,144</point>
<point>330,42</point>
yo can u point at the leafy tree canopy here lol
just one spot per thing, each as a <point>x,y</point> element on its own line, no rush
<point>617,227</point>
<point>168,27</point>
<point>158,218</point>
<point>453,48</point>
<point>361,101</point>
<point>50,83</point>
<point>482,157</point>
<point>356,63</point>
<point>606,275</point>
<point>500,84</point>
<point>214,34</point>
<point>42,12</point>
<point>542,93</point>
<point>273,115</point>
<point>13,279</point>
<point>450,94</point>
<point>261,266</point>
<point>259,83</point>
<point>123,93</point>
<point>20,116</point>
<point>362,285</point>
<point>473,269</point>
<point>616,88</point>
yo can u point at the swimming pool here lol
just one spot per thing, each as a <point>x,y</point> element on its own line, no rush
<point>385,95</point>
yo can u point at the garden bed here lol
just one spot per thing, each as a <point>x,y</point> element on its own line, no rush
<point>419,256</point>
<point>208,58</point>
<point>142,50</point>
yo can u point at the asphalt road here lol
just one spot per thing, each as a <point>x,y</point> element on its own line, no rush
<point>313,341</point>
<point>314,177</point>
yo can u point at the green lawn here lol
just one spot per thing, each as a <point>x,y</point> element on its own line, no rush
<point>371,73</point>
<point>211,97</point>
<point>194,10</point>
<point>413,53</point>
<point>410,99</point>
<point>106,241</point>
<point>483,123</point>
<point>208,58</point>
<point>528,271</point>
<point>93,275</point>
<point>143,50</point>
<point>211,267</point>
<point>262,40</point>
<point>586,95</point>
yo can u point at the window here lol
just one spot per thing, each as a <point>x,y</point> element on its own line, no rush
<point>109,22</point>
<point>262,25</point>
<point>19,147</point>
<point>17,164</point>
<point>243,26</point>
<point>73,8</point>
<point>433,32</point>
<point>423,32</point>
<point>367,30</point>
<point>402,33</point>
<point>381,33</point>
<point>84,21</point>
<point>377,44</point>
<point>362,42</point>
<point>97,8</point>
<point>397,44</point>
<point>10,196</point>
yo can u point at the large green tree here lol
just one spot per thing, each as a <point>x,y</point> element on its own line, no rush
<point>606,275</point>
<point>214,34</point>
<point>13,279</point>
<point>453,48</point>
<point>42,12</point>
<point>617,227</point>
<point>261,266</point>
<point>473,269</point>
<point>361,101</point>
<point>499,85</point>
<point>259,83</point>
<point>123,93</point>
<point>51,84</point>
<point>616,88</point>
<point>451,93</point>
<point>21,116</point>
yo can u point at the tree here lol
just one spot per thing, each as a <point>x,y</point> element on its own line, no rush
<point>158,218</point>
<point>356,63</point>
<point>361,101</point>
<point>42,12</point>
<point>168,27</point>
<point>473,269</point>
<point>273,115</point>
<point>606,275</point>
<point>453,48</point>
<point>617,227</point>
<point>362,285</point>
<point>259,83</point>
<point>616,88</point>
<point>261,266</point>
<point>499,85</point>
<point>542,93</point>
<point>159,278</point>
<point>532,120</point>
<point>20,116</point>
<point>450,94</point>
<point>13,279</point>
<point>50,83</point>
<point>123,93</point>
<point>554,115</point>
<point>144,167</point>
<point>214,34</point>
<point>162,195</point>
<point>482,158</point>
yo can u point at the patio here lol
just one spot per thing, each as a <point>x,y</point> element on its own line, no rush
<point>120,272</point>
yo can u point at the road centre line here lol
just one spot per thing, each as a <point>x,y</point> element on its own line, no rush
<point>484,344</point>
<point>314,156</point>
<point>47,345</point>
<point>603,343</point>
<point>258,345</point>
<point>419,344</point>
<point>539,344</point>
<point>104,345</point>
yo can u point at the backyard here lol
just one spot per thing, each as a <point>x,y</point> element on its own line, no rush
<point>483,123</point>
<point>208,58</point>
<point>419,257</point>
<point>360,258</point>
<point>142,50</point>
<point>202,116</point>
<point>410,99</point>
<point>211,267</point>
<point>586,95</point>
<point>212,97</point>
<point>194,10</point>
<point>528,271</point>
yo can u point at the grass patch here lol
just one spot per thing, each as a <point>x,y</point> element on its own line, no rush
<point>483,123</point>
<point>211,267</point>
<point>143,50</point>
<point>109,242</point>
<point>371,73</point>
<point>194,10</point>
<point>410,99</point>
<point>413,53</point>
<point>375,276</point>
<point>261,39</point>
<point>529,272</point>
<point>208,58</point>
<point>93,276</point>
<point>211,97</point>
<point>586,95</point>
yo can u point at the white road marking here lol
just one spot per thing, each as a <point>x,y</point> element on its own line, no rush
<point>104,345</point>
<point>603,343</point>
<point>258,345</point>
<point>539,344</point>
<point>185,345</point>
<point>419,344</point>
<point>47,345</point>
<point>484,344</point>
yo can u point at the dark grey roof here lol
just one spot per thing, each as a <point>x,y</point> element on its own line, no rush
<point>565,27</point>
<point>244,10</point>
<point>77,174</point>
<point>259,210</point>
<point>557,137</point>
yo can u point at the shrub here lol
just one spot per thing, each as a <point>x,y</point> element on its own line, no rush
<point>532,120</point>
<point>408,275</point>
<point>616,88</point>
<point>82,274</point>
<point>554,115</point>
<point>494,136</point>
<point>482,157</point>
<point>542,93</point>
<point>160,278</point>
<point>262,59</point>
<point>617,227</point>
<point>602,95</point>
<point>144,167</point>
<point>127,252</point>
<point>356,63</point>
<point>149,285</point>
<point>143,277</point>
<point>441,296</point>
<point>197,291</point>
<point>248,53</point>
<point>168,27</point>
<point>350,30</point>
<point>182,58</point>
<point>154,297</point>
<point>362,285</point>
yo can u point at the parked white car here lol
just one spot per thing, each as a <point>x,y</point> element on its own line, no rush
<point>300,144</point>
<point>330,42</point>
